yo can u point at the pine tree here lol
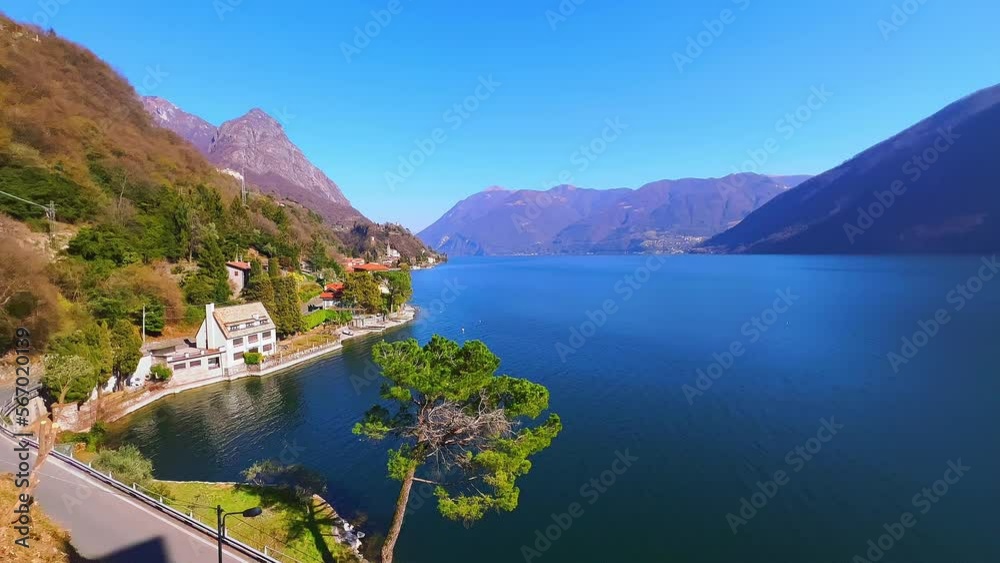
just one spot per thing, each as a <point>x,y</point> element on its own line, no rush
<point>126,344</point>
<point>288,318</point>
<point>259,287</point>
<point>212,265</point>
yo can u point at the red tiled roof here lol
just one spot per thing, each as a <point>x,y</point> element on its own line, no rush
<point>334,287</point>
<point>239,265</point>
<point>370,268</point>
<point>326,296</point>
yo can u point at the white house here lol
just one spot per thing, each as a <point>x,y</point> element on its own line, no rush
<point>225,335</point>
<point>235,330</point>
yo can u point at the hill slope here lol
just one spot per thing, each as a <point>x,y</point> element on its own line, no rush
<point>929,189</point>
<point>668,215</point>
<point>151,222</point>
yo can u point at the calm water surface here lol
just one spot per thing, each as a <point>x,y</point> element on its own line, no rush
<point>621,389</point>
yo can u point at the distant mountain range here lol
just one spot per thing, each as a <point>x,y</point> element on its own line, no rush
<point>931,189</point>
<point>255,146</point>
<point>663,216</point>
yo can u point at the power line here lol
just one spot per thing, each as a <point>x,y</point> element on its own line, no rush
<point>50,209</point>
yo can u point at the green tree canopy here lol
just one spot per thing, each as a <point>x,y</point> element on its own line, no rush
<point>68,378</point>
<point>455,417</point>
<point>259,287</point>
<point>400,287</point>
<point>92,342</point>
<point>362,290</point>
<point>289,311</point>
<point>126,344</point>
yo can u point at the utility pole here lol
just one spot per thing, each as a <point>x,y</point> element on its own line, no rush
<point>144,324</point>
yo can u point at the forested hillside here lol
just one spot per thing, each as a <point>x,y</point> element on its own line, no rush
<point>141,219</point>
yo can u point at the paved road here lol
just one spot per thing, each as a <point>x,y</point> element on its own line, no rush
<point>106,525</point>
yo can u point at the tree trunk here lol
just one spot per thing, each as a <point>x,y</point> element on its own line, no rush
<point>397,519</point>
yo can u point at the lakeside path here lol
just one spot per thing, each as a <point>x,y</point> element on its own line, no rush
<point>138,400</point>
<point>105,525</point>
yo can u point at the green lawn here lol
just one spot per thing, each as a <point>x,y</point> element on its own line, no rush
<point>300,529</point>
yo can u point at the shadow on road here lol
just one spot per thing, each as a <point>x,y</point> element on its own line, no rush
<point>152,551</point>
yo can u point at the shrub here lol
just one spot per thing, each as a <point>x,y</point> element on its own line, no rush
<point>126,464</point>
<point>322,316</point>
<point>314,319</point>
<point>94,439</point>
<point>161,372</point>
<point>339,317</point>
<point>298,479</point>
<point>252,358</point>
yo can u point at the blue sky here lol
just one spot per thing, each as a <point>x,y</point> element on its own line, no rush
<point>560,70</point>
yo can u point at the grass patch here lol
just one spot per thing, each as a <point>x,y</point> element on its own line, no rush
<point>299,528</point>
<point>308,340</point>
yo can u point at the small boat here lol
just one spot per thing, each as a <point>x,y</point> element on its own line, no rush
<point>347,332</point>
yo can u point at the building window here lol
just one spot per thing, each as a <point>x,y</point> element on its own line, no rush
<point>267,335</point>
<point>213,363</point>
<point>238,356</point>
<point>178,367</point>
<point>267,347</point>
<point>237,342</point>
<point>252,339</point>
<point>195,364</point>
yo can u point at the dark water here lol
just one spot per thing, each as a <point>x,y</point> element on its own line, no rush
<point>621,390</point>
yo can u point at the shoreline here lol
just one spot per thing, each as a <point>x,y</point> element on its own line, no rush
<point>147,398</point>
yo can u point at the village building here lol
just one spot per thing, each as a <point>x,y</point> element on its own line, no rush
<point>239,275</point>
<point>235,331</point>
<point>350,263</point>
<point>226,334</point>
<point>371,268</point>
<point>187,361</point>
<point>332,294</point>
<point>391,252</point>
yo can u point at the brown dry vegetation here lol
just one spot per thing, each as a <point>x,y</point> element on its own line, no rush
<point>146,204</point>
<point>47,542</point>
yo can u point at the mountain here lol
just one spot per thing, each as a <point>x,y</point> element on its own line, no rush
<point>928,189</point>
<point>191,127</point>
<point>255,146</point>
<point>668,215</point>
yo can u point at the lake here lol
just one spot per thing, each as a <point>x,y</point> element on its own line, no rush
<point>716,409</point>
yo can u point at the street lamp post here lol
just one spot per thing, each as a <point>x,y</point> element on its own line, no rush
<point>221,516</point>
